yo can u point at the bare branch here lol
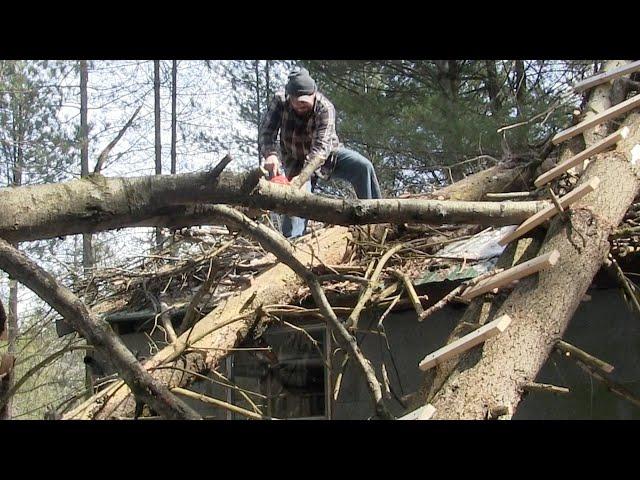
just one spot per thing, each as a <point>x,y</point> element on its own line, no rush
<point>105,153</point>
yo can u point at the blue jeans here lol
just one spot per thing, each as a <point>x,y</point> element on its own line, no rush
<point>351,167</point>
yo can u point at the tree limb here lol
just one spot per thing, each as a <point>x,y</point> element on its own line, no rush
<point>98,203</point>
<point>96,331</point>
<point>105,153</point>
<point>278,245</point>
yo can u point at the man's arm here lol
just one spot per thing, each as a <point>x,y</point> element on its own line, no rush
<point>269,128</point>
<point>320,144</point>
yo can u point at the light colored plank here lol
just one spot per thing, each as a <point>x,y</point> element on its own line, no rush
<point>509,195</point>
<point>465,343</point>
<point>583,155</point>
<point>607,76</point>
<point>423,413</point>
<point>602,117</point>
<point>543,215</point>
<point>514,273</point>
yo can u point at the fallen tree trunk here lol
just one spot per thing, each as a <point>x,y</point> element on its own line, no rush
<point>541,306</point>
<point>98,203</point>
<point>501,178</point>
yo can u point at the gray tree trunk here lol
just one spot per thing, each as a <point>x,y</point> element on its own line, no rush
<point>100,203</point>
<point>174,118</point>
<point>88,260</point>
<point>158,140</point>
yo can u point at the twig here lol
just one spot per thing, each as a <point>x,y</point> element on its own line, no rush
<point>624,281</point>
<point>583,356</point>
<point>211,380</point>
<point>455,292</point>
<point>103,156</point>
<point>339,277</point>
<point>544,387</point>
<point>352,321</point>
<point>389,308</point>
<point>343,366</point>
<point>611,385</point>
<point>411,291</point>
<point>220,403</point>
<point>190,317</point>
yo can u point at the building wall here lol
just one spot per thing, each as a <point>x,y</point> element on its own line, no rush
<point>604,326</point>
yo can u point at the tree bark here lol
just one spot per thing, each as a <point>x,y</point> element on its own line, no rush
<point>541,306</point>
<point>100,203</point>
<point>97,332</point>
<point>500,178</point>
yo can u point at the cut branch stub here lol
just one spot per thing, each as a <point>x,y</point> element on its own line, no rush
<point>580,157</point>
<point>545,388</point>
<point>584,357</point>
<point>544,215</point>
<point>602,117</point>
<point>515,273</point>
<point>465,343</point>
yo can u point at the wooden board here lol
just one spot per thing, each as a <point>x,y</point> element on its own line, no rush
<point>465,343</point>
<point>607,76</point>
<point>543,215</point>
<point>580,157</point>
<point>602,117</point>
<point>514,273</point>
<point>423,413</point>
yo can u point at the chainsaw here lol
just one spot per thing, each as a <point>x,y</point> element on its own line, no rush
<point>281,179</point>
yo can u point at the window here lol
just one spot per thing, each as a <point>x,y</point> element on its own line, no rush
<point>286,371</point>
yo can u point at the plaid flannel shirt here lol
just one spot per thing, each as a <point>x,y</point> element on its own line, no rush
<point>306,139</point>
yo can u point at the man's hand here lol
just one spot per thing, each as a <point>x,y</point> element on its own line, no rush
<point>272,165</point>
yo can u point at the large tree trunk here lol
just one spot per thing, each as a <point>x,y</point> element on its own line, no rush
<point>100,203</point>
<point>213,334</point>
<point>541,306</point>
<point>500,178</point>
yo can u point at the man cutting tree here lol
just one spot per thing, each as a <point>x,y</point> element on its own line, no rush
<point>309,147</point>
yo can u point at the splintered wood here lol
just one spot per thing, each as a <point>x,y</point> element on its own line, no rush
<point>465,343</point>
<point>543,215</point>
<point>515,273</point>
<point>602,117</point>
<point>580,157</point>
<point>423,413</point>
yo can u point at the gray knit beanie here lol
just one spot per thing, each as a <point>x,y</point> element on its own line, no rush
<point>300,83</point>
